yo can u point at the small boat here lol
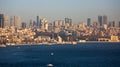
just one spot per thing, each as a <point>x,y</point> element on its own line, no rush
<point>49,65</point>
<point>52,53</point>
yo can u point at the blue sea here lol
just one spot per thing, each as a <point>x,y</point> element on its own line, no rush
<point>80,55</point>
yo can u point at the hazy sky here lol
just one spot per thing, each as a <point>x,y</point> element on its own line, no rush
<point>78,10</point>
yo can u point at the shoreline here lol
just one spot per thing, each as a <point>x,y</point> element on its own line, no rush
<point>64,43</point>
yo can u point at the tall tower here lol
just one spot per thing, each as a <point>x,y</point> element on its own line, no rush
<point>2,21</point>
<point>112,24</point>
<point>6,21</point>
<point>68,21</point>
<point>105,19</point>
<point>15,21</point>
<point>23,25</point>
<point>44,23</point>
<point>38,21</point>
<point>12,21</point>
<point>100,20</point>
<point>119,24</point>
<point>88,22</point>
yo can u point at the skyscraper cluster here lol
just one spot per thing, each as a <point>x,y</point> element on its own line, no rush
<point>102,20</point>
<point>68,21</point>
<point>60,31</point>
<point>3,21</point>
<point>42,23</point>
<point>15,21</point>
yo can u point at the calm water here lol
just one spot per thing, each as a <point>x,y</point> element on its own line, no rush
<point>81,55</point>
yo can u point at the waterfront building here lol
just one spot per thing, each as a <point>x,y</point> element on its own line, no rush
<point>59,39</point>
<point>114,39</point>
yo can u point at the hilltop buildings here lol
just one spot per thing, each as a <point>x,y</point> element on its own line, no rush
<point>60,31</point>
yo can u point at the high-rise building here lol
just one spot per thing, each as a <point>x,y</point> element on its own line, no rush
<point>100,20</point>
<point>44,23</point>
<point>88,22</point>
<point>15,21</point>
<point>30,23</point>
<point>38,20</point>
<point>40,24</point>
<point>6,21</point>
<point>18,21</point>
<point>68,21</point>
<point>50,26</point>
<point>34,24</point>
<point>112,24</point>
<point>12,21</point>
<point>23,25</point>
<point>119,24</point>
<point>55,23</point>
<point>2,21</point>
<point>58,23</point>
<point>105,19</point>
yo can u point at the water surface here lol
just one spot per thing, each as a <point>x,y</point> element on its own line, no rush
<point>81,55</point>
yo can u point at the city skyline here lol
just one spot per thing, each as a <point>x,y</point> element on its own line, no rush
<point>77,10</point>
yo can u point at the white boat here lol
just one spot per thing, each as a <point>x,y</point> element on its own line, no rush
<point>49,65</point>
<point>52,53</point>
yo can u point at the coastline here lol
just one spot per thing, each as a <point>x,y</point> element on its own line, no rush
<point>63,43</point>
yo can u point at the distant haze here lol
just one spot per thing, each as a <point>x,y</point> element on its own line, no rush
<point>77,10</point>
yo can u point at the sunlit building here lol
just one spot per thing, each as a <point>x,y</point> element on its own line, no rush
<point>58,23</point>
<point>6,24</point>
<point>44,23</point>
<point>100,20</point>
<point>15,21</point>
<point>105,19</point>
<point>114,39</point>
